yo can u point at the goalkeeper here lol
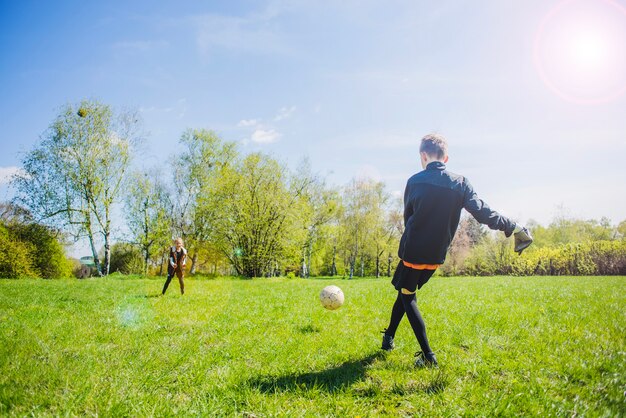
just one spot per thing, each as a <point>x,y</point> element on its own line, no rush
<point>433,200</point>
<point>176,265</point>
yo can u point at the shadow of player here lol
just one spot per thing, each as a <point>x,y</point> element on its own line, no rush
<point>329,380</point>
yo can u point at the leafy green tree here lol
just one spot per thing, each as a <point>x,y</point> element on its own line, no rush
<point>148,213</point>
<point>197,201</point>
<point>256,223</point>
<point>367,230</point>
<point>315,207</point>
<point>621,229</point>
<point>72,178</point>
<point>384,234</point>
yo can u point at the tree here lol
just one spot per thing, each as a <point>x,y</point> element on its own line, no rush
<point>72,178</point>
<point>257,223</point>
<point>563,230</point>
<point>382,221</point>
<point>366,230</point>
<point>469,233</point>
<point>148,214</point>
<point>197,172</point>
<point>316,207</point>
<point>621,229</point>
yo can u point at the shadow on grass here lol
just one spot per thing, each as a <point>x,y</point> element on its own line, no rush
<point>329,380</point>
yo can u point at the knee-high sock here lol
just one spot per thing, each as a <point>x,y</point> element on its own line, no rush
<point>416,321</point>
<point>397,312</point>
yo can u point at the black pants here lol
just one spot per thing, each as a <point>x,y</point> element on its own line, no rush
<point>170,275</point>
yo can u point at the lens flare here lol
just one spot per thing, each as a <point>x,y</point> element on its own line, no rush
<point>580,51</point>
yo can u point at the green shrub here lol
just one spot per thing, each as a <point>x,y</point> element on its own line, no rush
<point>609,257</point>
<point>48,256</point>
<point>15,256</point>
<point>126,259</point>
<point>495,256</point>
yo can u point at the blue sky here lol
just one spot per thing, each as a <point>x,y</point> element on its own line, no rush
<point>352,85</point>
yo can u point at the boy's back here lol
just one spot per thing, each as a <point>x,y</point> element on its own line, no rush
<point>433,200</point>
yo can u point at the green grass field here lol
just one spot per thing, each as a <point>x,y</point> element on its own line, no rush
<point>532,346</point>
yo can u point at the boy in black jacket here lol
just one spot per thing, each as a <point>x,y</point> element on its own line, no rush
<point>433,200</point>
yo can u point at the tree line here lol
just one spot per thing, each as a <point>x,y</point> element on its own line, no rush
<point>244,214</point>
<point>240,213</point>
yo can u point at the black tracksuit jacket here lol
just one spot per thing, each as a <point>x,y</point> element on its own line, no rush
<point>433,200</point>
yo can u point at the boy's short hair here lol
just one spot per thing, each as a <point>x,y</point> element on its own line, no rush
<point>434,145</point>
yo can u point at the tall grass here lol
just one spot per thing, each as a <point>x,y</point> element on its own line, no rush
<point>542,346</point>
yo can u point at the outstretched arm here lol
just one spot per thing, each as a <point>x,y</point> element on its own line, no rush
<point>484,214</point>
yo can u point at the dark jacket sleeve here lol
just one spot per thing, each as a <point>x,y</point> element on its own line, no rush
<point>483,213</point>
<point>408,206</point>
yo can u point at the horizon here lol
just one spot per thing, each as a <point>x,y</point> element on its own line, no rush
<point>531,96</point>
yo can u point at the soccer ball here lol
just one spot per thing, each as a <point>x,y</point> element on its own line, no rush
<point>331,297</point>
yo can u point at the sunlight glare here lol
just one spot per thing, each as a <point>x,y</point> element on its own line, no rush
<point>580,51</point>
<point>589,51</point>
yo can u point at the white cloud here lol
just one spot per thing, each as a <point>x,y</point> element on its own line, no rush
<point>265,136</point>
<point>285,113</point>
<point>244,123</point>
<point>6,173</point>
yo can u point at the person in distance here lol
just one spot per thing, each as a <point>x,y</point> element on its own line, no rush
<point>176,265</point>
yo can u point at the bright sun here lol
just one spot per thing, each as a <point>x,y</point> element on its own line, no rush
<point>589,51</point>
<point>580,50</point>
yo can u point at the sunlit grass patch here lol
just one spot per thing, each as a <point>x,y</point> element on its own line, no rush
<point>266,347</point>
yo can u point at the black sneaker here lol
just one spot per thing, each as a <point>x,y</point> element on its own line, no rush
<point>425,360</point>
<point>388,344</point>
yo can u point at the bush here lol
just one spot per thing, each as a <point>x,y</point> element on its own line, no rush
<point>15,257</point>
<point>126,259</point>
<point>609,257</point>
<point>495,257</point>
<point>48,257</point>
